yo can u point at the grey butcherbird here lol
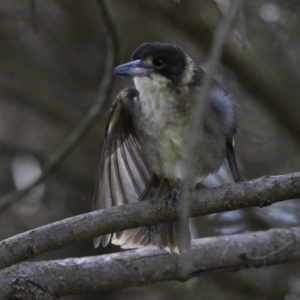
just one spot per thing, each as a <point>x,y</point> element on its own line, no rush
<point>146,137</point>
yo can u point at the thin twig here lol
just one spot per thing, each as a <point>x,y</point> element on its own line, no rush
<point>32,15</point>
<point>220,37</point>
<point>246,66</point>
<point>88,120</point>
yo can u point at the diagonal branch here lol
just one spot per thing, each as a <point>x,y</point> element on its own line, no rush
<point>220,37</point>
<point>149,265</point>
<point>88,120</point>
<point>259,192</point>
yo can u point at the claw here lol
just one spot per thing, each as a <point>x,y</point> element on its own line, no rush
<point>149,230</point>
<point>174,195</point>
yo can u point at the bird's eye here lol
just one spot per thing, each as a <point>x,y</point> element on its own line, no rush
<point>158,62</point>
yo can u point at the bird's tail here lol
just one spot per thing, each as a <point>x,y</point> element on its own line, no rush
<point>170,236</point>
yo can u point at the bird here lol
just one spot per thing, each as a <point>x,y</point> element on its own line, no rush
<point>145,154</point>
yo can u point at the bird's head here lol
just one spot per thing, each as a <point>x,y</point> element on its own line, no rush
<point>158,62</point>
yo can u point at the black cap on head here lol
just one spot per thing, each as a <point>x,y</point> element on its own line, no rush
<point>168,59</point>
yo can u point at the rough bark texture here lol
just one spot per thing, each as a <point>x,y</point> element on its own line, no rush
<point>259,192</point>
<point>149,265</point>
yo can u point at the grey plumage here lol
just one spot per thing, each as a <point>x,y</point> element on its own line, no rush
<point>144,153</point>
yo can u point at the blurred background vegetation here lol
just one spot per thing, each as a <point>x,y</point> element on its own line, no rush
<point>52,57</point>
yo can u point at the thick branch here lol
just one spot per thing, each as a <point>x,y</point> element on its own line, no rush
<point>149,265</point>
<point>259,192</point>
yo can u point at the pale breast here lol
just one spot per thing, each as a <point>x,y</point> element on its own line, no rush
<point>164,147</point>
<point>163,122</point>
<point>163,133</point>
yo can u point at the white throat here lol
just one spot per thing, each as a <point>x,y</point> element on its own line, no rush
<point>153,90</point>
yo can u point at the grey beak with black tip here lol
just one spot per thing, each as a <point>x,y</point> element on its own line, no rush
<point>133,68</point>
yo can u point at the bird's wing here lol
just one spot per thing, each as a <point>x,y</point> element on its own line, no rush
<point>124,174</point>
<point>225,111</point>
<point>138,237</point>
<point>230,157</point>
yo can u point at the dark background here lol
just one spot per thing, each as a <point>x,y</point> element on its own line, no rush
<point>52,55</point>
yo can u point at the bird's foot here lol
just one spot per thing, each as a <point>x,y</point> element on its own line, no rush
<point>174,195</point>
<point>149,230</point>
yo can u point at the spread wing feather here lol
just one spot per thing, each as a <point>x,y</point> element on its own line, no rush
<point>124,175</point>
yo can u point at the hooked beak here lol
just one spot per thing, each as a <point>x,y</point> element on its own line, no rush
<point>133,68</point>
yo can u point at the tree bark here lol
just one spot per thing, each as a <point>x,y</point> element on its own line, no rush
<point>149,265</point>
<point>259,192</point>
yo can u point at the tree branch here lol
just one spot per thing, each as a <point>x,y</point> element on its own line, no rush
<point>222,32</point>
<point>149,265</point>
<point>88,119</point>
<point>259,192</point>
